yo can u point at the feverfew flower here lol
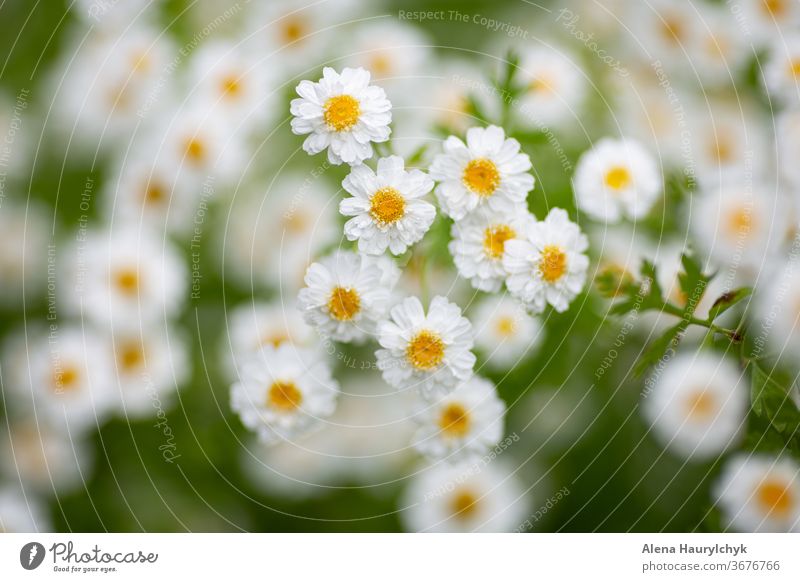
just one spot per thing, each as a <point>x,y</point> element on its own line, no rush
<point>283,391</point>
<point>505,331</point>
<point>386,206</point>
<point>616,178</point>
<point>760,493</point>
<point>430,351</point>
<point>21,513</point>
<point>697,406</point>
<point>478,244</point>
<point>548,264</point>
<point>465,498</point>
<point>767,20</point>
<point>346,294</point>
<point>465,423</point>
<point>343,113</point>
<point>782,71</point>
<point>489,169</point>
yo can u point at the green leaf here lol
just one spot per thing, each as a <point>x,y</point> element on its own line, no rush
<point>771,400</point>
<point>416,156</point>
<point>692,281</point>
<point>728,300</point>
<point>658,348</point>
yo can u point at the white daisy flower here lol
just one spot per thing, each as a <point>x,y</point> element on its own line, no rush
<point>21,513</point>
<point>760,493</point>
<point>765,20</point>
<point>718,49</point>
<point>68,378</point>
<point>23,251</point>
<point>489,169</point>
<point>343,113</point>
<point>739,222</point>
<point>548,264</point>
<point>387,207</point>
<point>125,276</point>
<point>665,28</point>
<point>428,351</point>
<point>111,15</point>
<point>466,423</point>
<point>232,84</point>
<point>778,307</point>
<point>782,71</point>
<point>151,362</point>
<point>346,294</point>
<point>697,406</point>
<point>554,87</point>
<point>465,498</point>
<point>254,325</point>
<point>616,179</point>
<point>44,458</point>
<point>283,392</point>
<point>478,244</point>
<point>504,331</point>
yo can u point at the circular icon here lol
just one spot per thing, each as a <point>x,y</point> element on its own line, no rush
<point>31,555</point>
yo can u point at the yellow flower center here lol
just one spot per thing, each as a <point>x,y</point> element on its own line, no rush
<point>127,281</point>
<point>775,497</point>
<point>295,222</point>
<point>701,405</point>
<point>454,420</point>
<point>293,29</point>
<point>740,221</point>
<point>506,326</point>
<point>794,68</point>
<point>195,150</point>
<point>464,504</point>
<point>672,29</point>
<point>542,83</point>
<point>130,356</point>
<point>494,239</point>
<point>774,7</point>
<point>274,339</point>
<point>344,303</point>
<point>66,378</point>
<point>425,350</point>
<point>721,150</point>
<point>481,177</point>
<point>618,178</point>
<point>552,263</point>
<point>154,193</point>
<point>341,112</point>
<point>387,206</point>
<point>231,87</point>
<point>381,65</point>
<point>284,396</point>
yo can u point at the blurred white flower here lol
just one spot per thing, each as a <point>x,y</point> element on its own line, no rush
<point>718,48</point>
<point>782,70</point>
<point>430,351</point>
<point>547,265</point>
<point>788,138</point>
<point>616,179</point>
<point>345,296</point>
<point>233,85</point>
<point>504,331</point>
<point>125,276</point>
<point>283,392</point>
<point>760,493</point>
<point>68,378</point>
<point>343,113</point>
<point>478,244</point>
<point>23,251</point>
<point>765,20</point>
<point>488,169</point>
<point>150,363</point>
<point>464,424</point>
<point>21,513</point>
<point>697,405</point>
<point>465,498</point>
<point>387,207</point>
<point>740,221</point>
<point>778,308</point>
<point>44,458</point>
<point>554,87</point>
<point>253,325</point>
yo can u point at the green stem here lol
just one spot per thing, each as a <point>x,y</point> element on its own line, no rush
<point>678,312</point>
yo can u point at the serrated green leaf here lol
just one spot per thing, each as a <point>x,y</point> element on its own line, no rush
<point>771,400</point>
<point>728,300</point>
